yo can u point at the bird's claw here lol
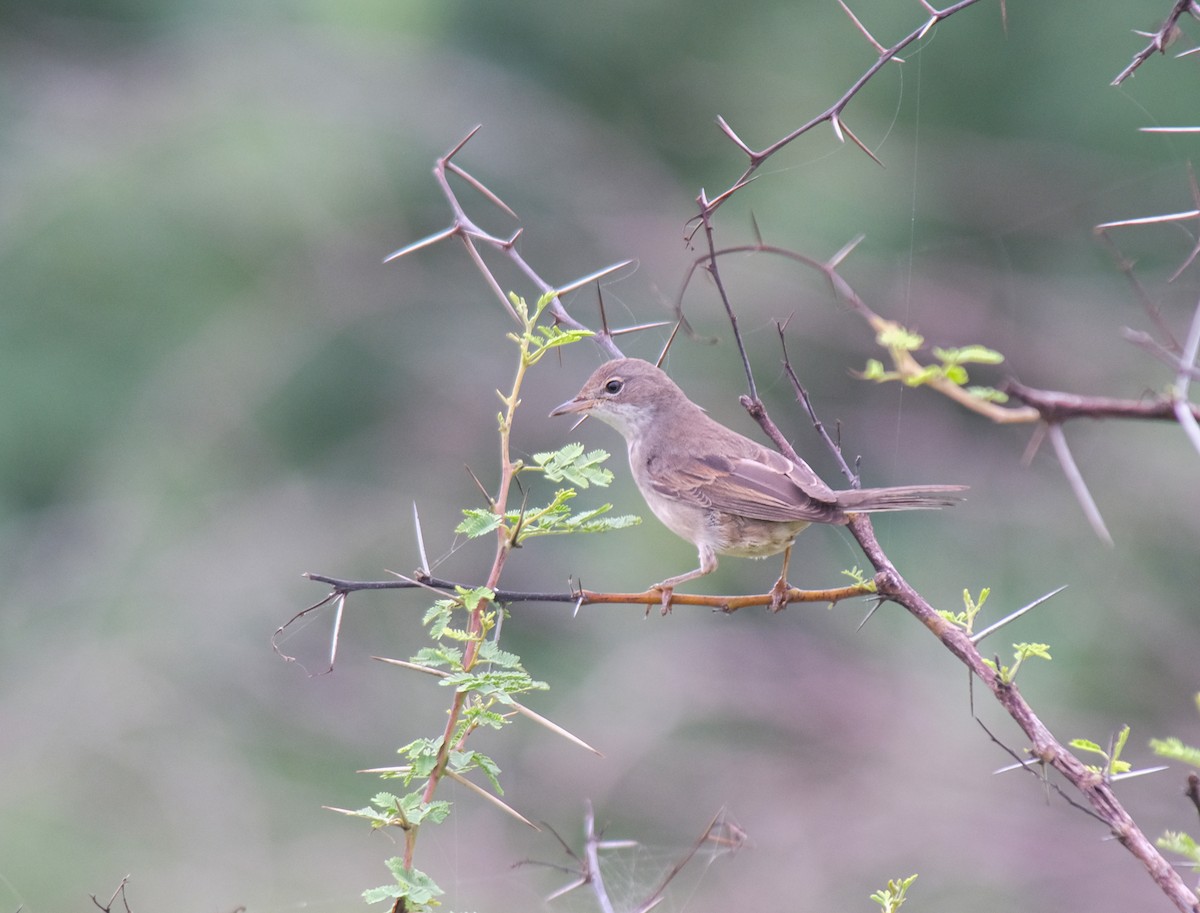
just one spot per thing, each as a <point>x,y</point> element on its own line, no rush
<point>779,595</point>
<point>667,593</point>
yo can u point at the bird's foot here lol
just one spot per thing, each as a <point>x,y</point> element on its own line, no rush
<point>779,595</point>
<point>667,592</point>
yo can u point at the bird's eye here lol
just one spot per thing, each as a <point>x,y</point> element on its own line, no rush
<point>614,386</point>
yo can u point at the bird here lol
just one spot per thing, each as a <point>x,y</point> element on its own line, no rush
<point>723,492</point>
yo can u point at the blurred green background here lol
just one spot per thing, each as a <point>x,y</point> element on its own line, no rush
<point>212,384</point>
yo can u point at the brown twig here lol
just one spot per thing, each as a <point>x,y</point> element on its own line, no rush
<point>1056,407</point>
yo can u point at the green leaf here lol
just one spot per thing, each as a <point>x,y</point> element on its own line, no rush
<point>972,354</point>
<point>955,618</point>
<point>1024,651</point>
<point>1122,738</point>
<point>621,522</point>
<point>1001,670</point>
<point>387,814</point>
<point>588,520</point>
<point>1176,750</point>
<point>897,337</point>
<point>1180,843</point>
<point>438,656</point>
<point>493,682</point>
<point>417,888</point>
<point>565,454</point>
<point>477,714</point>
<point>417,810</point>
<point>1087,745</point>
<point>438,617</point>
<point>490,769</point>
<point>386,801</point>
<point>578,468</point>
<point>591,521</point>
<point>422,755</point>
<point>407,812</point>
<point>876,372</point>
<point>463,761</point>
<point>556,519</point>
<point>956,374</point>
<point>470,598</point>
<point>477,522</point>
<point>554,336</point>
<point>856,574</point>
<point>437,810</point>
<point>893,896</point>
<point>490,652</point>
<point>924,376</point>
<point>990,394</point>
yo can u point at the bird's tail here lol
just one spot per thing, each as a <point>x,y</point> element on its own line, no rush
<point>907,497</point>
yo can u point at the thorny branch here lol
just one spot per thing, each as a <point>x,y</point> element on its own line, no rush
<point>471,235</point>
<point>832,114</point>
<point>1160,38</point>
<point>580,597</point>
<point>1056,407</point>
<point>119,892</point>
<point>1106,231</point>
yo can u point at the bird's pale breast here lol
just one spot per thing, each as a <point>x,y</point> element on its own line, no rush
<point>747,538</point>
<point>724,533</point>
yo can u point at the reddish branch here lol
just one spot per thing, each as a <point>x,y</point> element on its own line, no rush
<point>582,597</point>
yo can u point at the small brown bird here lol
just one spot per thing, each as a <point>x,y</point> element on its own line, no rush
<point>719,490</point>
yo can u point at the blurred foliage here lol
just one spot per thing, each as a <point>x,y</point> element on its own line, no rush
<point>212,384</point>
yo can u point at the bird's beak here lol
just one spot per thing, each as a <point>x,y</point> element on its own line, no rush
<point>572,405</point>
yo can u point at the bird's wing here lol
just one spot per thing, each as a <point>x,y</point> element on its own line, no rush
<point>763,486</point>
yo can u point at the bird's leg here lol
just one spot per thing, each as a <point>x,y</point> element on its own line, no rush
<point>780,590</point>
<point>708,564</point>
